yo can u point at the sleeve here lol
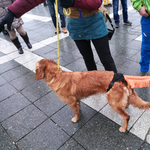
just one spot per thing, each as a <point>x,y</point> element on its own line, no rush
<point>20,7</point>
<point>137,4</point>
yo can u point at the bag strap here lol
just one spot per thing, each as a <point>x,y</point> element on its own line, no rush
<point>110,21</point>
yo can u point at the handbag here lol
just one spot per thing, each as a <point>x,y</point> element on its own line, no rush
<point>106,15</point>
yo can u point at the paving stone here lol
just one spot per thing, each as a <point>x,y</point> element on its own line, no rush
<point>129,142</point>
<point>134,68</point>
<point>49,103</point>
<point>134,45</point>
<point>64,116</point>
<point>43,50</point>
<point>99,133</point>
<point>2,80</point>
<point>142,126</point>
<point>15,72</point>
<point>5,141</point>
<point>36,90</point>
<point>1,54</point>
<point>8,65</point>
<point>6,90</point>
<point>77,65</point>
<point>71,145</point>
<point>12,105</point>
<point>23,122</point>
<point>23,81</point>
<point>47,136</point>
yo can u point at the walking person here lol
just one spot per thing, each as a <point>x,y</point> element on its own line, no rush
<point>51,6</point>
<point>124,12</point>
<point>84,26</point>
<point>143,7</point>
<point>16,25</point>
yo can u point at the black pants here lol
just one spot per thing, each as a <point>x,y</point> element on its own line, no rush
<point>102,47</point>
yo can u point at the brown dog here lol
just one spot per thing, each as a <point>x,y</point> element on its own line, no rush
<point>71,87</point>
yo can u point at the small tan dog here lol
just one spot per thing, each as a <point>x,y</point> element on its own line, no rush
<point>71,87</point>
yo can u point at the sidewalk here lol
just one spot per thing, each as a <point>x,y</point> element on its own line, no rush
<point>31,115</point>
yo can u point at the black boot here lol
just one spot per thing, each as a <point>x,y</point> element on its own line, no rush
<point>26,39</point>
<point>18,45</point>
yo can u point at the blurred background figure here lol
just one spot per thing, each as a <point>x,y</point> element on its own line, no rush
<point>16,25</point>
<point>124,12</point>
<point>107,3</point>
<point>51,6</point>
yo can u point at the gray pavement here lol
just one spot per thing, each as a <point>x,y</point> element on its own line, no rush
<point>31,115</point>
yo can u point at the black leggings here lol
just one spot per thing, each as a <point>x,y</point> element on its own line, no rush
<point>102,47</point>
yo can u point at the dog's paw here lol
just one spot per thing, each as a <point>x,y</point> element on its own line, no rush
<point>121,129</point>
<point>74,119</point>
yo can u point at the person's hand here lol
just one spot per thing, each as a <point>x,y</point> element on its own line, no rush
<point>7,19</point>
<point>67,3</point>
<point>143,12</point>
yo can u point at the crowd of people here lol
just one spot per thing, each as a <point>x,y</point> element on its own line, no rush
<point>85,24</point>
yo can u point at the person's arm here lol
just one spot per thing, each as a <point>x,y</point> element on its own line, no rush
<point>20,7</point>
<point>17,9</point>
<point>137,4</point>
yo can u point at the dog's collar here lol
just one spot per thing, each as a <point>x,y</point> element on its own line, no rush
<point>117,77</point>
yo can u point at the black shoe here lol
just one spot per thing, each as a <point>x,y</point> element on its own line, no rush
<point>29,45</point>
<point>20,50</point>
<point>143,73</point>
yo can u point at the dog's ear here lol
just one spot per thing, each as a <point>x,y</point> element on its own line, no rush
<point>40,68</point>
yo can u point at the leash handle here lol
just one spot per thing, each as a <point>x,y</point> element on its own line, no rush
<point>66,14</point>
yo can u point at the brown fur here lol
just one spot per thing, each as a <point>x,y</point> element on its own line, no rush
<point>71,87</point>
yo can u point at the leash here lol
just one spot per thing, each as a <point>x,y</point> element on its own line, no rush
<point>56,2</point>
<point>66,14</point>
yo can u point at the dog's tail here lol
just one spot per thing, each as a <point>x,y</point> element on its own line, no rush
<point>136,101</point>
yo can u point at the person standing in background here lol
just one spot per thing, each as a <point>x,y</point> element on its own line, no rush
<point>107,3</point>
<point>51,6</point>
<point>143,7</point>
<point>124,12</point>
<point>16,25</point>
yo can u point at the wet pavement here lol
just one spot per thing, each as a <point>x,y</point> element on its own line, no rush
<point>31,115</point>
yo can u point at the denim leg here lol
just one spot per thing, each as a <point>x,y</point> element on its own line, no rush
<point>115,10</point>
<point>51,7</point>
<point>125,10</point>
<point>62,16</point>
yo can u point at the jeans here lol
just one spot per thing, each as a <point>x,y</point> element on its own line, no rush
<point>51,7</point>
<point>124,11</point>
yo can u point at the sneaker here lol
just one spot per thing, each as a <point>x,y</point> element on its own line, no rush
<point>128,23</point>
<point>117,25</point>
<point>143,73</point>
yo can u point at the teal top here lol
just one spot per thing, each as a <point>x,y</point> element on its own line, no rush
<point>83,28</point>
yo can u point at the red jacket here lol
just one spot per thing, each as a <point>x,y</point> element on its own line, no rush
<point>20,7</point>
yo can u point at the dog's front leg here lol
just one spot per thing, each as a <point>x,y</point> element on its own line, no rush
<point>74,105</point>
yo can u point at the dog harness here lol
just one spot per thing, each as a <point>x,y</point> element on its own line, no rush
<point>117,77</point>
